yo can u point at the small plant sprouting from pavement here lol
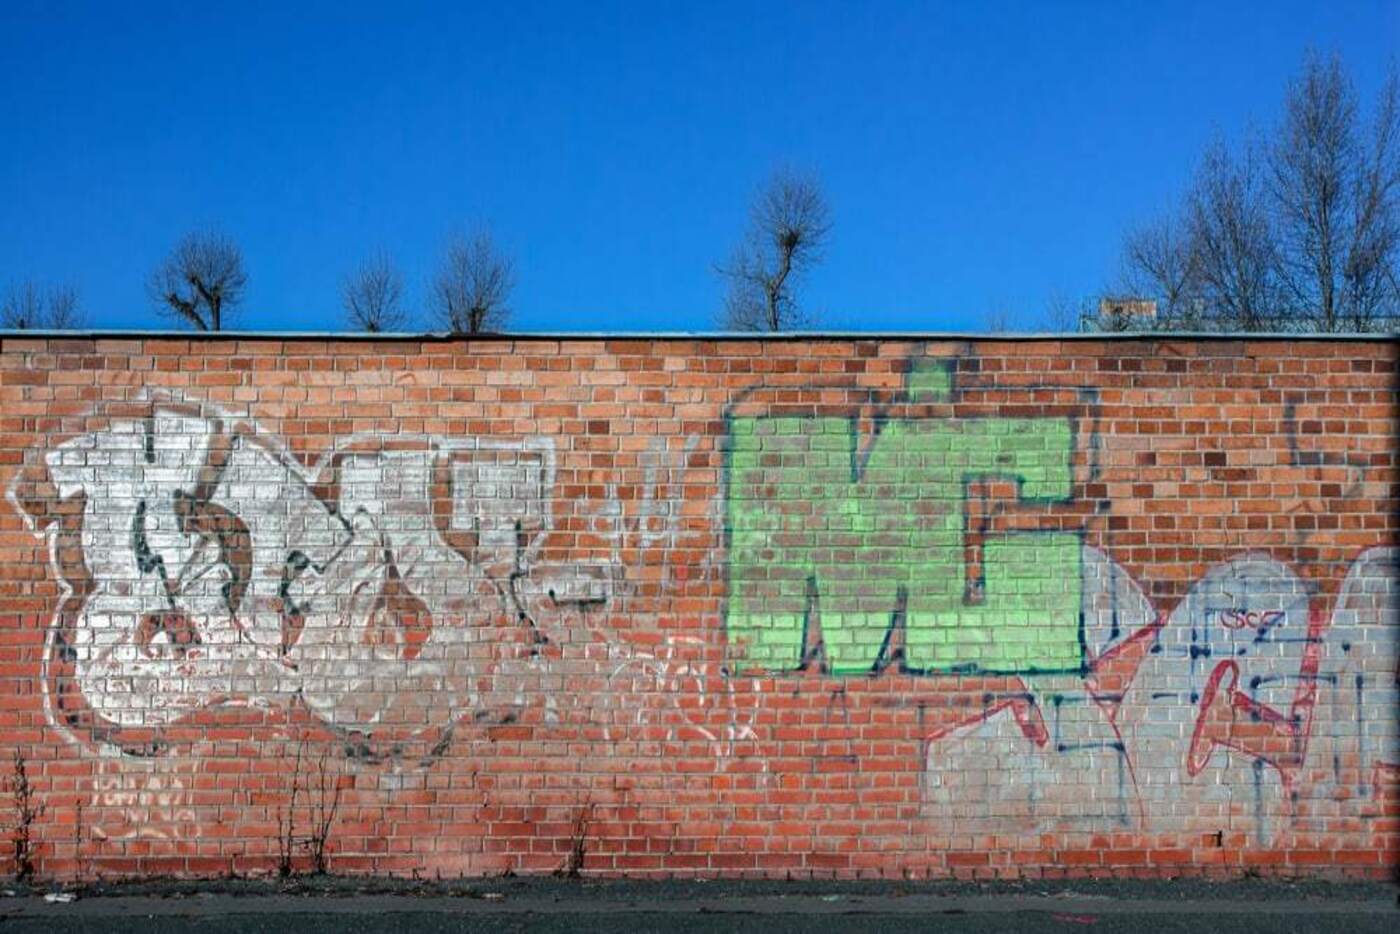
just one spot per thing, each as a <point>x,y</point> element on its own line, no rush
<point>323,808</point>
<point>286,820</point>
<point>323,790</point>
<point>78,837</point>
<point>26,813</point>
<point>578,845</point>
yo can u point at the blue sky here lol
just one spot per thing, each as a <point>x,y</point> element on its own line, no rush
<point>978,157</point>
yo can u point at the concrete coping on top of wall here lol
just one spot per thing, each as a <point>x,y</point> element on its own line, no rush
<point>445,336</point>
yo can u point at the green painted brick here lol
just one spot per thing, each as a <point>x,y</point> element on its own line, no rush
<point>897,525</point>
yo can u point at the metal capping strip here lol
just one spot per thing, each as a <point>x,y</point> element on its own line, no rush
<point>728,336</point>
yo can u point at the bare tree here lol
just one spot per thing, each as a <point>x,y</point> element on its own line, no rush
<point>1232,240</point>
<point>201,281</point>
<point>372,295</point>
<point>1301,230</point>
<point>1064,313</point>
<point>998,320</point>
<point>1061,314</point>
<point>24,307</point>
<point>1213,266</point>
<point>789,224</point>
<point>1160,262</point>
<point>472,285</point>
<point>28,306</point>
<point>1335,188</point>
<point>64,313</point>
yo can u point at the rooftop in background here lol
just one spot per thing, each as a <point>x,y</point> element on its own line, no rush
<point>1132,315</point>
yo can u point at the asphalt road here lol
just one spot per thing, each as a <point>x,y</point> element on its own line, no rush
<point>770,908</point>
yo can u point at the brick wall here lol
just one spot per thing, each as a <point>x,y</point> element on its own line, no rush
<point>829,607</point>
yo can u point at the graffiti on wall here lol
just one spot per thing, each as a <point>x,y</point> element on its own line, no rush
<point>1246,710</point>
<point>940,533</point>
<point>394,588</point>
<point>860,542</point>
<point>866,515</point>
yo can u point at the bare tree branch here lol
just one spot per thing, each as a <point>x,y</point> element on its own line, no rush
<point>1063,313</point>
<point>1369,282</point>
<point>1301,232</point>
<point>372,295</point>
<point>201,280</point>
<point>23,309</point>
<point>1232,240</point>
<point>1160,262</point>
<point>1335,186</point>
<point>472,286</point>
<point>28,306</point>
<point>789,225</point>
<point>1310,161</point>
<point>998,320</point>
<point>63,308</point>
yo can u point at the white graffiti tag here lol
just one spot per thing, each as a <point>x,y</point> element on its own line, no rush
<point>386,588</point>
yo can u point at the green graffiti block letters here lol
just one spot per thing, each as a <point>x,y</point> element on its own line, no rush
<point>813,531</point>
